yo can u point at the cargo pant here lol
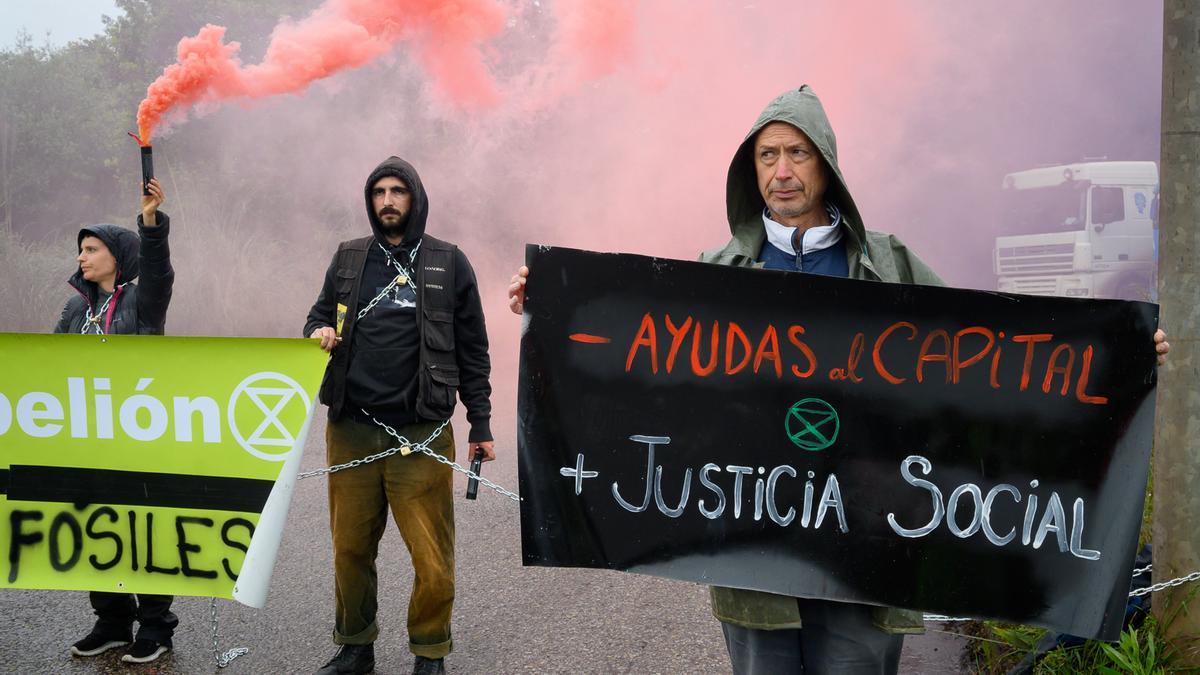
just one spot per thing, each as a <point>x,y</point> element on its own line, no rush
<point>418,490</point>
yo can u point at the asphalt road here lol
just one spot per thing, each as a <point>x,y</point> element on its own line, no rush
<point>507,618</point>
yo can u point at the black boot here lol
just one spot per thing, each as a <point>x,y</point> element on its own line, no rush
<point>351,660</point>
<point>427,666</point>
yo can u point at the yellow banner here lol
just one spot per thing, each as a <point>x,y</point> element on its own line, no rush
<point>150,464</point>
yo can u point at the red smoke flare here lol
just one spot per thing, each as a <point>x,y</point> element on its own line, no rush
<point>338,35</point>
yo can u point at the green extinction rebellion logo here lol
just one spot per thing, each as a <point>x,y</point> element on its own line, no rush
<point>812,424</point>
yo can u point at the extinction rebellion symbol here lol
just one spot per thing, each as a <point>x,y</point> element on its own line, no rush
<point>812,424</point>
<point>272,404</point>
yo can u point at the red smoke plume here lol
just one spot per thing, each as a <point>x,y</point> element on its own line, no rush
<point>592,40</point>
<point>338,35</point>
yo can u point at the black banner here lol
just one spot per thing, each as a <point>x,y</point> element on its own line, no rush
<point>952,451</point>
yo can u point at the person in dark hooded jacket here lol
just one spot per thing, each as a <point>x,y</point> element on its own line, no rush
<point>400,314</point>
<point>108,302</point>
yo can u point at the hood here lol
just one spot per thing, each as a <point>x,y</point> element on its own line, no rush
<point>414,228</point>
<point>122,243</point>
<point>744,204</point>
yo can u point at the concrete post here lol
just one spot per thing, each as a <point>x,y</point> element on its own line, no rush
<point>1177,429</point>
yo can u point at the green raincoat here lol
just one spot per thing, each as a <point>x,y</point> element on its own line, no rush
<point>871,255</point>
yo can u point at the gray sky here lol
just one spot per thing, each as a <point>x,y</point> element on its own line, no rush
<point>64,20</point>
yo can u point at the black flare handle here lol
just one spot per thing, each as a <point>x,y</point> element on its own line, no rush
<point>476,467</point>
<point>147,168</point>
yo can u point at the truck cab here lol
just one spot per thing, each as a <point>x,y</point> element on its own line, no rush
<point>1084,230</point>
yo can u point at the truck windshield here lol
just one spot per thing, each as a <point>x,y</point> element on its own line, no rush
<point>1043,210</point>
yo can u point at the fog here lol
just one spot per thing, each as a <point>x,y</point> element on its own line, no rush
<point>610,126</point>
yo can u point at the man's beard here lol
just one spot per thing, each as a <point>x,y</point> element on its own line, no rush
<point>389,230</point>
<point>393,229</point>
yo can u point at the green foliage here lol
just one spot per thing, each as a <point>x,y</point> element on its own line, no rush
<point>1137,654</point>
<point>64,156</point>
<point>35,282</point>
<point>65,161</point>
<point>1140,651</point>
<point>60,158</point>
<point>1087,658</point>
<point>996,647</point>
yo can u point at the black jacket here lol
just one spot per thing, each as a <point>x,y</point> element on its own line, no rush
<point>453,345</point>
<point>136,308</point>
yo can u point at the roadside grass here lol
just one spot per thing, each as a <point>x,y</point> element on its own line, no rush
<point>1141,650</point>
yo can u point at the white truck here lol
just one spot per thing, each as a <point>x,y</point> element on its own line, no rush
<point>1085,230</point>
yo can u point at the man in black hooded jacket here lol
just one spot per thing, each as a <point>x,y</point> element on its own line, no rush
<point>400,314</point>
<point>107,302</point>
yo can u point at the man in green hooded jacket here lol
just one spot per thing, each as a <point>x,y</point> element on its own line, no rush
<point>789,209</point>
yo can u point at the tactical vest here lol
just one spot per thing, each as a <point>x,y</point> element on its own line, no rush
<point>437,373</point>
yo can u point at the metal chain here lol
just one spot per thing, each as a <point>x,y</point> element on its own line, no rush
<point>1142,570</point>
<point>471,474</point>
<point>402,273</point>
<point>404,443</point>
<point>422,447</point>
<point>93,320</point>
<point>396,263</point>
<point>222,660</point>
<point>375,300</point>
<point>1178,581</point>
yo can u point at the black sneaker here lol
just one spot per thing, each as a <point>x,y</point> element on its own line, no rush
<point>145,650</point>
<point>98,642</point>
<point>427,666</point>
<point>351,660</point>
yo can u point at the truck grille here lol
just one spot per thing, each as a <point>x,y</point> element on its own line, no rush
<point>1035,285</point>
<point>1049,259</point>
